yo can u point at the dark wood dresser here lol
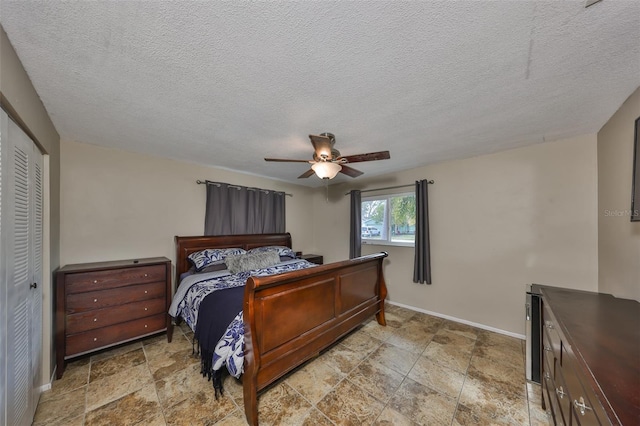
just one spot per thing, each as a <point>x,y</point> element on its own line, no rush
<point>590,357</point>
<point>106,303</point>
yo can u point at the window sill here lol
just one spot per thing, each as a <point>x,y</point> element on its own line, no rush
<point>387,243</point>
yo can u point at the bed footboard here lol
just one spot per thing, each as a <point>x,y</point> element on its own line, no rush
<point>289,318</point>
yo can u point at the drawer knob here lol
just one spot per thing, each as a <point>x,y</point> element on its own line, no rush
<point>146,309</point>
<point>95,281</point>
<point>145,292</point>
<point>560,392</point>
<point>95,300</point>
<point>95,339</point>
<point>548,324</point>
<point>580,405</point>
<point>146,275</point>
<point>145,326</point>
<point>95,320</point>
<point>547,348</point>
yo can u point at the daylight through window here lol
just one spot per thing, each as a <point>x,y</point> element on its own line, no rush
<point>389,219</point>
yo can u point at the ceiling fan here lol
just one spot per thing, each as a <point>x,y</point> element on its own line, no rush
<point>327,161</point>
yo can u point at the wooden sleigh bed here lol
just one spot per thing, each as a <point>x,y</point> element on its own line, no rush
<point>289,318</point>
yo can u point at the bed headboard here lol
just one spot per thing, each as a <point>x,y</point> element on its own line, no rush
<point>187,245</point>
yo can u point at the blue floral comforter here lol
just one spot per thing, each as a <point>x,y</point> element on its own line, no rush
<point>192,291</point>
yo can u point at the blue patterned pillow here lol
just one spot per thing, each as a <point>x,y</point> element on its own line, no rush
<point>281,250</point>
<point>204,258</point>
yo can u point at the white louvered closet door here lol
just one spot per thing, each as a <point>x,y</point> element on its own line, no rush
<point>3,272</point>
<point>21,239</point>
<point>35,293</point>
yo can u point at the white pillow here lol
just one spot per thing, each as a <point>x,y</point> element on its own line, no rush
<point>251,261</point>
<point>281,250</point>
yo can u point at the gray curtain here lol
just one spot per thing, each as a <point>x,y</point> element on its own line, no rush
<point>355,237</point>
<point>422,260</point>
<point>236,210</point>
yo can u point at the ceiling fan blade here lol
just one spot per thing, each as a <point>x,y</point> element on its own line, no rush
<point>372,156</point>
<point>350,171</point>
<point>322,145</point>
<point>306,174</point>
<point>285,160</point>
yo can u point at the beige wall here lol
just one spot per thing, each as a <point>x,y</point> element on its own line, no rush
<point>497,222</point>
<point>122,205</point>
<point>618,237</point>
<point>19,98</point>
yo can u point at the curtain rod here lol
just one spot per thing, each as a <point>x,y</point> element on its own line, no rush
<point>391,187</point>
<point>208,182</point>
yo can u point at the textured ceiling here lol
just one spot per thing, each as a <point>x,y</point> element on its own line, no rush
<point>228,83</point>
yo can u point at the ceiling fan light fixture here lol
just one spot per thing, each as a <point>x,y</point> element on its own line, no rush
<point>326,169</point>
<point>328,162</point>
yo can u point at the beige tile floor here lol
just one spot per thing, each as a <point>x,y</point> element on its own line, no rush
<point>419,370</point>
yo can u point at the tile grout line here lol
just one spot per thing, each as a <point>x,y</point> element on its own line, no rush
<point>313,406</point>
<point>155,388</point>
<point>404,375</point>
<point>86,393</point>
<point>466,372</point>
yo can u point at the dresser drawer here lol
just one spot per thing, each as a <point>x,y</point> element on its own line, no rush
<point>551,402</point>
<point>98,318</point>
<point>80,302</point>
<point>106,336</point>
<point>549,389</point>
<point>584,404</point>
<point>551,339</point>
<point>102,280</point>
<point>562,394</point>
<point>546,403</point>
<point>549,348</point>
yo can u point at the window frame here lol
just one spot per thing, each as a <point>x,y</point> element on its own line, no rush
<point>385,242</point>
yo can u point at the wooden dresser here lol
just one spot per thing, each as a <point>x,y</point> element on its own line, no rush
<point>103,304</point>
<point>590,357</point>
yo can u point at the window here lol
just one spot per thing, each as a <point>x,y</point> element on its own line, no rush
<point>389,219</point>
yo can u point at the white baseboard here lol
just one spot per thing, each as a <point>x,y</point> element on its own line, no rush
<point>47,386</point>
<point>471,323</point>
